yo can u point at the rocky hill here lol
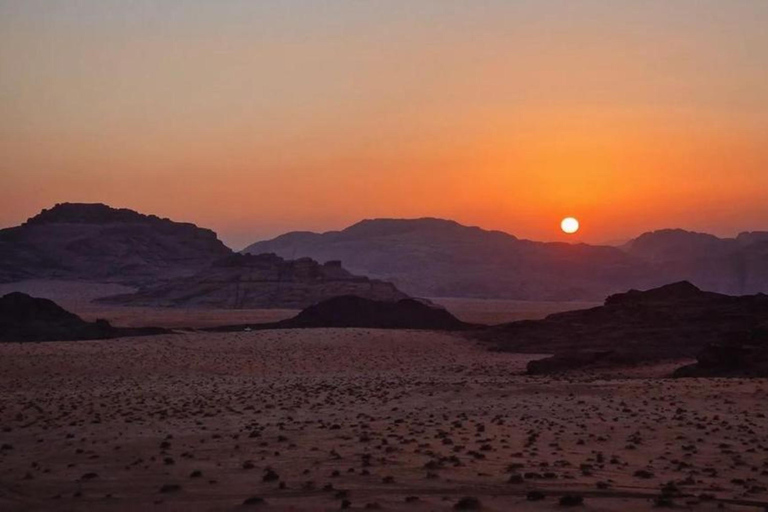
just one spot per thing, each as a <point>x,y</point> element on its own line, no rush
<point>352,311</point>
<point>99,243</point>
<point>434,257</point>
<point>260,281</point>
<point>25,318</point>
<point>673,321</point>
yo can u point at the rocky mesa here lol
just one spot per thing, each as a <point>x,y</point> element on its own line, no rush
<point>244,281</point>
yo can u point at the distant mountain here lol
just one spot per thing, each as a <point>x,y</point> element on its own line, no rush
<point>673,321</point>
<point>260,281</point>
<point>25,318</point>
<point>99,243</point>
<point>728,265</point>
<point>434,257</point>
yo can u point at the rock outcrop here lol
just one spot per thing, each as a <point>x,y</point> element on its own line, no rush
<point>354,311</point>
<point>25,318</point>
<point>745,357</point>
<point>98,243</point>
<point>673,321</point>
<point>243,281</point>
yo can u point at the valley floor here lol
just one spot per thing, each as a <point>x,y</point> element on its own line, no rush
<point>400,419</point>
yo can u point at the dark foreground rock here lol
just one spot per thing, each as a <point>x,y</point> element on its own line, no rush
<point>353,311</point>
<point>747,357</point>
<point>243,281</point>
<point>670,322</point>
<point>25,318</point>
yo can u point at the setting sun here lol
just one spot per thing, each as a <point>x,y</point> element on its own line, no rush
<point>569,225</point>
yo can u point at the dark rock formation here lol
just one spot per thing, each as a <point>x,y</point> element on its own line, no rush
<point>745,357</point>
<point>571,361</point>
<point>260,281</point>
<point>25,318</point>
<point>673,321</point>
<point>98,243</point>
<point>354,311</point>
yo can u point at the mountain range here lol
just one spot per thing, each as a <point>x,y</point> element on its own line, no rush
<point>442,258</point>
<point>176,263</point>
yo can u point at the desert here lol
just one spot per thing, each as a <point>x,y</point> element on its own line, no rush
<point>334,418</point>
<point>396,255</point>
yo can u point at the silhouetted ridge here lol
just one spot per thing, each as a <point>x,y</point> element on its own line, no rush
<point>353,311</point>
<point>441,258</point>
<point>682,290</point>
<point>25,318</point>
<point>89,213</point>
<point>99,243</point>
<point>392,227</point>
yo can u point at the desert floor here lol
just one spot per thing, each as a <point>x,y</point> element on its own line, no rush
<point>78,297</point>
<point>402,420</point>
<point>328,418</point>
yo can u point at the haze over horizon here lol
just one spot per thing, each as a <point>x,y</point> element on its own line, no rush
<point>255,118</point>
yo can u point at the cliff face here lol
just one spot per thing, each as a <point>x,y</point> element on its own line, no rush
<point>260,281</point>
<point>99,243</point>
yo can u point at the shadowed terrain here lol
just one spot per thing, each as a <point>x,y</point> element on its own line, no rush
<point>352,311</point>
<point>25,318</point>
<point>673,321</point>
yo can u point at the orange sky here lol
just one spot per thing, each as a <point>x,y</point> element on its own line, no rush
<point>255,118</point>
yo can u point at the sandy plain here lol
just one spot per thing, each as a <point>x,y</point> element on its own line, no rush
<point>327,419</point>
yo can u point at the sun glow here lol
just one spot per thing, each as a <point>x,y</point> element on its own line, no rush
<point>569,225</point>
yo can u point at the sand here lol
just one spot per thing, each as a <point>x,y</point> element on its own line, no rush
<point>402,420</point>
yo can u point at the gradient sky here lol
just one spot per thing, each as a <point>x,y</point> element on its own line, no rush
<point>256,117</point>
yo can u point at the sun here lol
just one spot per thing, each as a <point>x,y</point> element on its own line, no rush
<point>569,225</point>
